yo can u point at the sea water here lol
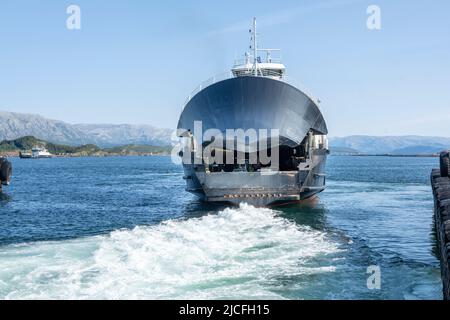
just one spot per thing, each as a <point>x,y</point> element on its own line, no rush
<point>124,228</point>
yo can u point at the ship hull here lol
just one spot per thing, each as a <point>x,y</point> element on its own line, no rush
<point>256,188</point>
<point>256,103</point>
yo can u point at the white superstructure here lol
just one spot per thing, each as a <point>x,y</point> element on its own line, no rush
<point>40,153</point>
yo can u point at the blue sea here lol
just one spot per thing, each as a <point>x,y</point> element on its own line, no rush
<point>124,228</point>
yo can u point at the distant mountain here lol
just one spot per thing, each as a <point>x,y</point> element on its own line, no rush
<point>392,144</point>
<point>417,150</point>
<point>340,150</point>
<point>14,125</point>
<point>124,134</point>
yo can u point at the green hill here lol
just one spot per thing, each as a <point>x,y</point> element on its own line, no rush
<point>138,149</point>
<point>29,142</point>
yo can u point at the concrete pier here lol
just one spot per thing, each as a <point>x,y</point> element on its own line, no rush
<point>440,182</point>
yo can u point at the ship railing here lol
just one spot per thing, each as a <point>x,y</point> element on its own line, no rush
<point>299,85</point>
<point>214,79</point>
<point>228,75</point>
<point>245,61</point>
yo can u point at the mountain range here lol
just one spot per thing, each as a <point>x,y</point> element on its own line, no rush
<point>14,125</point>
<point>395,145</point>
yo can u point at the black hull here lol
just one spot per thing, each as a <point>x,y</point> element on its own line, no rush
<point>254,103</point>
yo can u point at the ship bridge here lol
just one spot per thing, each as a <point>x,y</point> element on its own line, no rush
<point>272,68</point>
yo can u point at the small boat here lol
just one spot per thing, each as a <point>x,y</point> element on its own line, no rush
<point>24,155</point>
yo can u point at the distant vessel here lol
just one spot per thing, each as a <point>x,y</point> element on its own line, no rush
<point>40,153</point>
<point>255,95</point>
<point>36,153</point>
<point>24,155</point>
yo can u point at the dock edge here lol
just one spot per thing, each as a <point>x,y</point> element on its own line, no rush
<point>440,183</point>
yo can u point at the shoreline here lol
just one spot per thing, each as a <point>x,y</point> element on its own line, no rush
<point>89,155</point>
<point>8,155</point>
<point>389,155</point>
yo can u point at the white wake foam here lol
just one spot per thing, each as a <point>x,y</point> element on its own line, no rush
<point>237,253</point>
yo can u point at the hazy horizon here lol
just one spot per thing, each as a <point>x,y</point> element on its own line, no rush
<point>135,62</point>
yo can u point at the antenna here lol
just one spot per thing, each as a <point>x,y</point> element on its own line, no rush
<point>255,49</point>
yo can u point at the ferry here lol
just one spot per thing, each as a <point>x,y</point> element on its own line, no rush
<point>36,153</point>
<point>255,95</point>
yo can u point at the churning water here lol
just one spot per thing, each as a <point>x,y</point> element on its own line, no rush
<point>113,228</point>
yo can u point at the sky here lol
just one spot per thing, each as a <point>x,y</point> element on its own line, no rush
<point>136,61</point>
